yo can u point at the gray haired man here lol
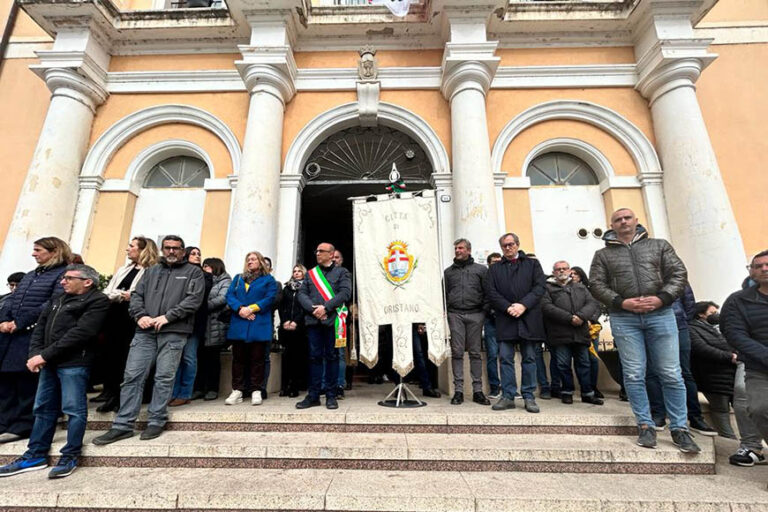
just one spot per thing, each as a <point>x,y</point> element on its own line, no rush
<point>465,297</point>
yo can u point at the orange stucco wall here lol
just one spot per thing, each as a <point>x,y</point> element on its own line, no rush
<point>521,146</point>
<point>210,143</point>
<point>731,93</point>
<point>111,230</point>
<point>191,62</point>
<point>565,56</point>
<point>517,216</point>
<point>24,101</point>
<point>215,223</point>
<point>385,58</point>
<point>737,10</point>
<point>25,27</point>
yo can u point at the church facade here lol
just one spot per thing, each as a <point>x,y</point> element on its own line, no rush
<point>245,125</point>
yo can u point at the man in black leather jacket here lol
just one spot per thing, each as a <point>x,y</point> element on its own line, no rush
<point>639,278</point>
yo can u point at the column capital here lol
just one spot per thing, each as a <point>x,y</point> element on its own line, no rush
<point>269,69</point>
<point>670,64</point>
<point>468,66</point>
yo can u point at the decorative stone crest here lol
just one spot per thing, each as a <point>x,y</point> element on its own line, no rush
<point>367,67</point>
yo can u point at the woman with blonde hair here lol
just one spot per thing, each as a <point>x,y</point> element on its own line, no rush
<point>293,335</point>
<point>119,326</point>
<point>17,320</point>
<point>250,297</point>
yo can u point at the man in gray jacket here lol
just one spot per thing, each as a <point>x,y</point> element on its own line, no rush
<point>465,297</point>
<point>639,278</point>
<point>163,305</point>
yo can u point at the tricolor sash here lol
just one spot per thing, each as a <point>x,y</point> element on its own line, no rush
<point>326,292</point>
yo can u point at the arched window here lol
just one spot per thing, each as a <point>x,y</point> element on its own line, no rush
<point>177,172</point>
<point>560,169</point>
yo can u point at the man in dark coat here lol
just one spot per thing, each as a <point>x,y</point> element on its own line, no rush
<point>745,324</point>
<point>514,289</point>
<point>465,298</point>
<point>325,291</point>
<point>568,307</point>
<point>62,351</point>
<point>163,305</point>
<point>638,278</point>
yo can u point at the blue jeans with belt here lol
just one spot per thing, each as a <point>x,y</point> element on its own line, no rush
<point>60,389</point>
<point>649,343</point>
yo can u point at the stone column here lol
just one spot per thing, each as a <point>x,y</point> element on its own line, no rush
<point>468,69</point>
<point>48,197</point>
<point>269,74</point>
<point>703,228</point>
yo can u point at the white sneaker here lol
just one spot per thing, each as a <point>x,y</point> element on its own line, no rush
<point>235,397</point>
<point>255,398</point>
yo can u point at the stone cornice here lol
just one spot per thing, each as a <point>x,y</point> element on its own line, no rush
<point>670,64</point>
<point>268,69</point>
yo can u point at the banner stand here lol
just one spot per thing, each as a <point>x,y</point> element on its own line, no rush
<point>401,399</point>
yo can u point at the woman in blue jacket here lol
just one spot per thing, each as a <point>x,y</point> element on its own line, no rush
<point>250,296</point>
<point>17,321</point>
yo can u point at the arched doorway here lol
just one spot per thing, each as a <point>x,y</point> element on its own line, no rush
<point>355,161</point>
<point>567,211</point>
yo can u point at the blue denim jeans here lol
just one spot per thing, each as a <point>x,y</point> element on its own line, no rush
<point>528,364</point>
<point>655,393</point>
<point>579,354</point>
<point>164,349</point>
<point>649,342</point>
<point>322,355</point>
<point>491,354</point>
<point>342,370</point>
<point>185,375</point>
<point>60,389</point>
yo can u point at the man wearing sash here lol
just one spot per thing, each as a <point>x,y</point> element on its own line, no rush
<point>326,288</point>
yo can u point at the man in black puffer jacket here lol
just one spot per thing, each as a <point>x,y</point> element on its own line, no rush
<point>568,307</point>
<point>745,324</point>
<point>62,351</point>
<point>464,295</point>
<point>639,278</point>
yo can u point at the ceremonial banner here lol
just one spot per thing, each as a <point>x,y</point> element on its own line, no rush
<point>398,276</point>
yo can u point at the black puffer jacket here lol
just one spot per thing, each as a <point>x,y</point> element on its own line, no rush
<point>711,359</point>
<point>645,267</point>
<point>464,286</point>
<point>744,321</point>
<point>67,329</point>
<point>559,304</point>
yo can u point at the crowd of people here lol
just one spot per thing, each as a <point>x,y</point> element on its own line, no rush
<point>155,335</point>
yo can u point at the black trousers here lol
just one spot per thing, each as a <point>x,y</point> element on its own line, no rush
<point>17,396</point>
<point>294,362</point>
<point>208,369</point>
<point>248,357</point>
<point>118,333</point>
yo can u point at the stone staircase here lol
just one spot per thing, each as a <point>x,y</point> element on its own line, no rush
<point>364,457</point>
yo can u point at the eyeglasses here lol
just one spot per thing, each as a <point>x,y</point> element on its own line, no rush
<point>166,248</point>
<point>69,278</point>
<point>509,244</point>
<point>317,251</point>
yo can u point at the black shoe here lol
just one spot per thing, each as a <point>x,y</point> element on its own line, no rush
<point>432,393</point>
<point>348,387</point>
<point>594,399</point>
<point>211,395</point>
<point>331,403</point>
<point>263,394</point>
<point>293,393</point>
<point>684,441</point>
<point>307,403</point>
<point>566,398</point>
<point>598,394</point>
<point>479,398</point>
<point>458,398</point>
<point>646,436</point>
<point>340,393</point>
<point>545,394</point>
<point>701,426</point>
<point>283,392</point>
<point>111,405</point>
<point>101,397</point>
<point>747,458</point>
<point>151,432</point>
<point>623,396</point>
<point>111,436</point>
<point>556,394</point>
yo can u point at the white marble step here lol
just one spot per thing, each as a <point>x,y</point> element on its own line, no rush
<point>431,449</point>
<point>334,490</point>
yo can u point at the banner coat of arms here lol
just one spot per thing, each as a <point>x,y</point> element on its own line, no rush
<point>399,276</point>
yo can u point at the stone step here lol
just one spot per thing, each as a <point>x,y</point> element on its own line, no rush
<point>393,451</point>
<point>359,412</point>
<point>108,489</point>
